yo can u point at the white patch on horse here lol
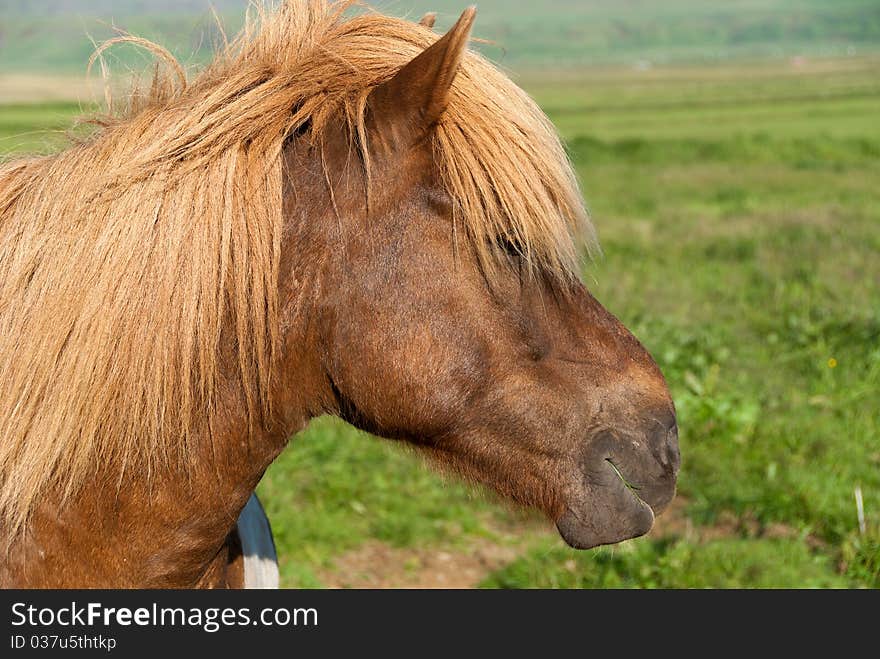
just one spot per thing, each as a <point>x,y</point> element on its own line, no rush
<point>257,546</point>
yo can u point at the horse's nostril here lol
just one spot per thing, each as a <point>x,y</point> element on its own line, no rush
<point>673,455</point>
<point>664,443</point>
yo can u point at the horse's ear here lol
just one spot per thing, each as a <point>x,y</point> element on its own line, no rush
<point>405,107</point>
<point>428,20</point>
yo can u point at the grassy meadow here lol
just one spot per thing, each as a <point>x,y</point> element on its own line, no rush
<point>57,35</point>
<point>738,210</point>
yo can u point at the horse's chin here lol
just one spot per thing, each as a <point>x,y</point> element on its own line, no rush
<point>601,529</point>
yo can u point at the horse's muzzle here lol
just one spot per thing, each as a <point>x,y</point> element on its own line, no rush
<point>624,481</point>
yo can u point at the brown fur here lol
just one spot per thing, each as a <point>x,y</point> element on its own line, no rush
<point>341,215</point>
<point>113,300</point>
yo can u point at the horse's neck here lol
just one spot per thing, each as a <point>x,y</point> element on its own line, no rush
<point>169,528</point>
<point>166,529</point>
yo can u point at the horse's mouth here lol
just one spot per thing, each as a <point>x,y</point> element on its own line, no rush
<point>611,506</point>
<point>634,489</point>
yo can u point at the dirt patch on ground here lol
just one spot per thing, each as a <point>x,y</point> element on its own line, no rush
<point>675,523</point>
<point>376,565</point>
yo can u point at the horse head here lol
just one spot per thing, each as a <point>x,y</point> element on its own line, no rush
<point>469,337</point>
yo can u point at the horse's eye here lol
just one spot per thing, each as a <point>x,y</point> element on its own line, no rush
<point>510,247</point>
<point>300,131</point>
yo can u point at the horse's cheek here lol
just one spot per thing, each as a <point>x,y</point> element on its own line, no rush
<point>419,380</point>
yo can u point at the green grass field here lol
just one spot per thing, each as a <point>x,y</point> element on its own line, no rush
<point>51,36</point>
<point>738,212</point>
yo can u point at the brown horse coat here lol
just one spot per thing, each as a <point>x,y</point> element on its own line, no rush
<point>341,215</point>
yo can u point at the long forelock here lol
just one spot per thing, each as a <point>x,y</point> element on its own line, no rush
<point>114,302</point>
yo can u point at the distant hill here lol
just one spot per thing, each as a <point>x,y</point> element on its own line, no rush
<point>54,35</point>
<point>108,8</point>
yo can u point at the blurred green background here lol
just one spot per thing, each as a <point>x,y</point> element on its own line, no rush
<point>730,156</point>
<point>54,34</point>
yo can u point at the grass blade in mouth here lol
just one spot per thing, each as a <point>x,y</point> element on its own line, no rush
<point>633,488</point>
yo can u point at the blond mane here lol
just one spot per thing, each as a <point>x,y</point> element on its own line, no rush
<point>125,257</point>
